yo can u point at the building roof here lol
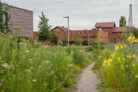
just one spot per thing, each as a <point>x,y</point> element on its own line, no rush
<point>105,24</point>
<point>61,27</point>
<point>119,29</point>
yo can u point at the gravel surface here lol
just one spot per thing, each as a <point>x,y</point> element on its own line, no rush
<point>88,80</point>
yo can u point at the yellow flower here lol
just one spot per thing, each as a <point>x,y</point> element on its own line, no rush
<point>129,56</point>
<point>108,64</point>
<point>63,67</point>
<point>134,56</point>
<point>109,60</point>
<point>116,47</point>
<point>105,61</point>
<point>104,65</point>
<point>118,59</point>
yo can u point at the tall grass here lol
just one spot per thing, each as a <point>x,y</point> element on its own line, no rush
<point>33,67</point>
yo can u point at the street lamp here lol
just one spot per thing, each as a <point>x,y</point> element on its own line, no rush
<point>68,27</point>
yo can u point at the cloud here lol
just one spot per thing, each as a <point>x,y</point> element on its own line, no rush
<point>83,13</point>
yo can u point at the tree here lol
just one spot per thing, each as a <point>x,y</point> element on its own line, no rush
<point>135,32</point>
<point>44,28</point>
<point>4,17</point>
<point>78,41</point>
<point>123,21</point>
<point>53,37</point>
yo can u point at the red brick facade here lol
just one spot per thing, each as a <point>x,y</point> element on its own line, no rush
<point>109,33</point>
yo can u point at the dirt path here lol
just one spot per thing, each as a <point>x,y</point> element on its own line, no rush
<point>88,81</point>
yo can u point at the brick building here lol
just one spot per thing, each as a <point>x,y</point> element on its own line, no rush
<point>20,17</point>
<point>108,31</point>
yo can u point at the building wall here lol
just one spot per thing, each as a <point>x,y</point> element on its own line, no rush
<point>23,18</point>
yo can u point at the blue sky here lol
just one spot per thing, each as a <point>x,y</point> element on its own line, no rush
<point>83,13</point>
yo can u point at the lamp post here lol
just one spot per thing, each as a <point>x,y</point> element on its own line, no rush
<point>68,27</point>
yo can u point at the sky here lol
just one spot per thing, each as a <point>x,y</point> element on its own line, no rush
<point>83,13</point>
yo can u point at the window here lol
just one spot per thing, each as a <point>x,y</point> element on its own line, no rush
<point>100,29</point>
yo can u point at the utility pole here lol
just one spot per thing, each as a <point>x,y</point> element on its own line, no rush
<point>68,27</point>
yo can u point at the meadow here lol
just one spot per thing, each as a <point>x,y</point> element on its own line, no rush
<point>118,69</point>
<point>26,67</point>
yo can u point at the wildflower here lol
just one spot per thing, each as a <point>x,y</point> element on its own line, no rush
<point>34,80</point>
<point>136,40</point>
<point>136,76</point>
<point>122,66</point>
<point>100,56</point>
<point>104,65</point>
<point>70,65</point>
<point>108,64</point>
<point>31,67</point>
<point>1,80</point>
<point>121,47</point>
<point>134,56</point>
<point>27,51</point>
<point>46,62</point>
<point>63,67</point>
<point>2,71</point>
<point>105,61</point>
<point>118,59</point>
<point>129,56</point>
<point>116,47</point>
<point>30,59</point>
<point>44,84</point>
<point>5,65</point>
<point>109,60</point>
<point>72,52</point>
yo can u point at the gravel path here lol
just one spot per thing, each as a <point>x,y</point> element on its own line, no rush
<point>88,81</point>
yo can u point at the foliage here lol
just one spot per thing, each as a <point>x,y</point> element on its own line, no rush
<point>118,69</point>
<point>78,41</point>
<point>4,18</point>
<point>95,44</point>
<point>36,68</point>
<point>135,32</point>
<point>44,28</point>
<point>53,37</point>
<point>123,21</point>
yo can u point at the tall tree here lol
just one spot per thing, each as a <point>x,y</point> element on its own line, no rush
<point>44,28</point>
<point>123,21</point>
<point>4,17</point>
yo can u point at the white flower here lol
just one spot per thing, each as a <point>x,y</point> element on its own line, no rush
<point>30,59</point>
<point>1,80</point>
<point>44,84</point>
<point>34,80</point>
<point>5,65</point>
<point>2,71</point>
<point>136,76</point>
<point>31,67</point>
<point>27,51</point>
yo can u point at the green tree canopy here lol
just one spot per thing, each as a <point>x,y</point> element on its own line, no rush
<point>53,37</point>
<point>123,21</point>
<point>44,28</point>
<point>135,32</point>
